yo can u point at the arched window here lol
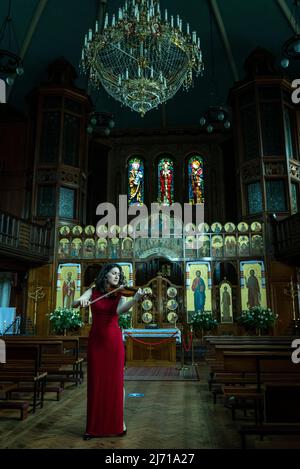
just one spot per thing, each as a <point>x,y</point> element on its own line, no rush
<point>136,178</point>
<point>165,178</point>
<point>196,180</point>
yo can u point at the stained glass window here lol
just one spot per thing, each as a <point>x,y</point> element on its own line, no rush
<point>196,180</point>
<point>165,177</point>
<point>66,202</point>
<point>254,198</point>
<point>136,178</point>
<point>276,201</point>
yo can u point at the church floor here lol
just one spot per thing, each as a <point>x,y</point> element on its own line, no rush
<point>171,414</point>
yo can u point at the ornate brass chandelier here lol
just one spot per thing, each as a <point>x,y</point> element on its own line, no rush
<point>139,58</point>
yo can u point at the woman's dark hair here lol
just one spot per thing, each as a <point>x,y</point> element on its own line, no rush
<point>101,279</point>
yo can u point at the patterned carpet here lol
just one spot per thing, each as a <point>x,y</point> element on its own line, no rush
<point>161,373</point>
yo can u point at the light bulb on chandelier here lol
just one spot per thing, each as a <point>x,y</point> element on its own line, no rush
<point>139,58</point>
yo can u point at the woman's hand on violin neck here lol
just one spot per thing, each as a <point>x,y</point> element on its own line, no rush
<point>84,302</point>
<point>139,294</point>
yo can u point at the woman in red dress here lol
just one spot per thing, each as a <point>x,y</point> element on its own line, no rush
<point>105,385</point>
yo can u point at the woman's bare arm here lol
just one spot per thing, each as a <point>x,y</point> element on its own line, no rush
<point>124,305</point>
<point>83,300</point>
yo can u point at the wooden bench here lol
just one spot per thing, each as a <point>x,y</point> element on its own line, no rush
<point>23,406</point>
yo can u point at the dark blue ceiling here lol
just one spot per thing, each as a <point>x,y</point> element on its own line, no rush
<point>63,23</point>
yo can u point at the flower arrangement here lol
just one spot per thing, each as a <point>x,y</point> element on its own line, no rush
<point>258,318</point>
<point>125,320</point>
<point>65,319</point>
<point>204,321</point>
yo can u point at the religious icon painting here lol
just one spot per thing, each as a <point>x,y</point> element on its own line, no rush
<point>216,227</point>
<point>217,246</point>
<point>64,230</point>
<point>127,247</point>
<point>68,284</point>
<point>114,248</point>
<point>190,229</point>
<point>196,180</point>
<point>147,317</point>
<point>229,227</point>
<point>89,230</point>
<point>191,246</point>
<point>243,227</point>
<point>230,246</point>
<point>255,226</point>
<point>77,230</point>
<point>225,291</point>
<point>101,248</point>
<point>76,247</point>
<point>203,242</point>
<point>89,246</point>
<point>243,246</point>
<point>172,317</point>
<point>115,229</point>
<point>171,292</point>
<point>64,248</point>
<point>257,247</point>
<point>198,287</point>
<point>253,284</point>
<point>101,231</point>
<point>172,305</point>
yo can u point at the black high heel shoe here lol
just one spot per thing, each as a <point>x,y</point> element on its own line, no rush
<point>87,437</point>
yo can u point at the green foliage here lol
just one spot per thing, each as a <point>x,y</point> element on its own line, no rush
<point>65,319</point>
<point>125,320</point>
<point>203,321</point>
<point>258,318</point>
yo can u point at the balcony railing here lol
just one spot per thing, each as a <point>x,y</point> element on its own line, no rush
<point>21,237</point>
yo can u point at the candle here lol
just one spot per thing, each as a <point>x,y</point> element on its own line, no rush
<point>96,27</point>
<point>166,15</point>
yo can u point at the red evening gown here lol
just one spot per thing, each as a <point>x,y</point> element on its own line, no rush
<point>105,369</point>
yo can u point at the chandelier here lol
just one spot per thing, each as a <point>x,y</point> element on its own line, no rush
<point>141,59</point>
<point>10,62</point>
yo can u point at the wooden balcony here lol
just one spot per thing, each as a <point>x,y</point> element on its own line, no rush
<point>23,239</point>
<point>287,239</point>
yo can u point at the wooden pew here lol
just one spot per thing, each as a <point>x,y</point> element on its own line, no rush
<point>56,358</point>
<point>22,365</point>
<point>282,412</point>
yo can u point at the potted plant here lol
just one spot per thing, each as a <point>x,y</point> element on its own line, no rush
<point>125,320</point>
<point>258,319</point>
<point>65,319</point>
<point>203,321</point>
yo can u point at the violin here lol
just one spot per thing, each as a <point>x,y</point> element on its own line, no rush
<point>124,291</point>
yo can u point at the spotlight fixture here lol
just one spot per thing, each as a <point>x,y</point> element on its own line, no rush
<point>215,118</point>
<point>103,122</point>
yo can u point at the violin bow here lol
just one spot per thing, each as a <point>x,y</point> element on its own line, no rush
<point>106,294</point>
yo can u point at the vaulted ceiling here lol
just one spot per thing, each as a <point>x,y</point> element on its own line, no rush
<point>48,29</point>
